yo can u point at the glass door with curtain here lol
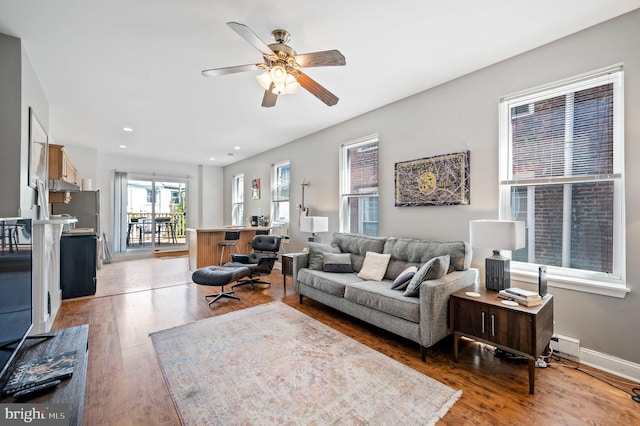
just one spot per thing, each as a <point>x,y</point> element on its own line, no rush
<point>152,214</point>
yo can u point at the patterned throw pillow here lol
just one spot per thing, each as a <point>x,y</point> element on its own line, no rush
<point>337,262</point>
<point>432,270</point>
<point>402,281</point>
<point>374,266</point>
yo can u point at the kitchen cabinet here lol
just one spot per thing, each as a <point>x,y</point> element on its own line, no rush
<point>61,168</point>
<point>78,265</point>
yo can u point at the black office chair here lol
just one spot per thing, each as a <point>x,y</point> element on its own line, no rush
<point>260,260</point>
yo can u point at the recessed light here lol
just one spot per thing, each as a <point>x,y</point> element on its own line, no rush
<point>127,129</point>
<point>236,147</point>
<point>211,158</point>
<point>122,146</point>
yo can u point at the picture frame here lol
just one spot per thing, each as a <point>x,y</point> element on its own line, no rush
<point>442,180</point>
<point>38,152</point>
<point>255,189</point>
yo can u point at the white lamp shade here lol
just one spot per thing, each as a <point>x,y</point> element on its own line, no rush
<point>314,224</point>
<point>497,234</point>
<point>265,80</point>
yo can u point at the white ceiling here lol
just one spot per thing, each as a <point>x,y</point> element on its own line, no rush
<point>104,65</point>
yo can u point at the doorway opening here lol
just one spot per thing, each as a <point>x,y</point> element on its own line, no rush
<point>152,214</point>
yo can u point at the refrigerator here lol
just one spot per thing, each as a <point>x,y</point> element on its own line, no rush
<point>84,206</point>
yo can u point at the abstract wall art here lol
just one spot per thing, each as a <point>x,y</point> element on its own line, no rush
<point>442,180</point>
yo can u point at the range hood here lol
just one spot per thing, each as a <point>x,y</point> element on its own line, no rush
<point>58,185</point>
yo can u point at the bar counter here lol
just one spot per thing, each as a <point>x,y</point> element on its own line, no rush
<point>203,244</point>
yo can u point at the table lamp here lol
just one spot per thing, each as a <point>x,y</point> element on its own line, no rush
<point>497,235</point>
<point>314,224</point>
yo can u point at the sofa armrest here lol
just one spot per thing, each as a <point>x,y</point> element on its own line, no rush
<point>300,260</point>
<point>434,303</point>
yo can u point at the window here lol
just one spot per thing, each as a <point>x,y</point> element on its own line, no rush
<point>280,192</point>
<point>359,186</point>
<point>175,197</point>
<point>237,199</point>
<point>561,172</point>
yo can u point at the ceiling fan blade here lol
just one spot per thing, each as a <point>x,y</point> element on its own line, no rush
<point>316,89</point>
<point>251,37</point>
<point>229,70</point>
<point>269,99</point>
<point>320,59</point>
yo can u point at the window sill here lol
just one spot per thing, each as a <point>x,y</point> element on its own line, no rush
<point>575,284</point>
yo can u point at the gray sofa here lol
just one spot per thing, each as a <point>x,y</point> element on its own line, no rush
<point>422,319</point>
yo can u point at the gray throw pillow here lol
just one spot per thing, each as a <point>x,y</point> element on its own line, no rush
<point>432,270</point>
<point>402,281</point>
<point>316,254</point>
<point>337,262</point>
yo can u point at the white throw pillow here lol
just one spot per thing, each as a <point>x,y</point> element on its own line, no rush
<point>374,266</point>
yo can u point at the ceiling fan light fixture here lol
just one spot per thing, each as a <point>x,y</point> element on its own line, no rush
<point>292,85</point>
<point>265,80</point>
<point>278,74</point>
<point>279,89</point>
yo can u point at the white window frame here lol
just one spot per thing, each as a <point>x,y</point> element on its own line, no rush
<point>609,284</point>
<point>237,200</point>
<point>276,186</point>
<point>345,195</point>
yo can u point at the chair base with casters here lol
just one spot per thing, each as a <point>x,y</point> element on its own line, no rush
<point>219,276</point>
<point>260,261</point>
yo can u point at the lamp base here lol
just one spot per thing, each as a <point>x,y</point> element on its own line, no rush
<point>314,239</point>
<point>497,272</point>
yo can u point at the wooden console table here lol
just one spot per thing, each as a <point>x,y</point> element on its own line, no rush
<point>70,391</point>
<point>525,331</point>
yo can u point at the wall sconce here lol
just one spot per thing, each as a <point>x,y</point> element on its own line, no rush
<point>503,234</point>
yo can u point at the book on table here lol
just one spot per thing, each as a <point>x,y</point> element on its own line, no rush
<point>28,374</point>
<point>526,294</point>
<point>521,300</point>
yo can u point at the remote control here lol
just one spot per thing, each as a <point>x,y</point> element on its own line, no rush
<point>36,389</point>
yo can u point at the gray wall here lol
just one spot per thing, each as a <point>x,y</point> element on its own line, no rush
<point>463,115</point>
<point>19,90</point>
<point>10,78</point>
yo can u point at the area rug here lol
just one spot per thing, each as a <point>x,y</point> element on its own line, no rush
<point>272,364</point>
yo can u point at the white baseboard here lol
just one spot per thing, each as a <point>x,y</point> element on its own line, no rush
<point>610,364</point>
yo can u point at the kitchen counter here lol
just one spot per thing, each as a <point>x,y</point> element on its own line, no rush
<point>203,244</point>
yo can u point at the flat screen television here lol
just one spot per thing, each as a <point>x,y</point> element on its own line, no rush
<point>16,306</point>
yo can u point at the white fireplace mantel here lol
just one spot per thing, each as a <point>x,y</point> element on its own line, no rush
<point>47,295</point>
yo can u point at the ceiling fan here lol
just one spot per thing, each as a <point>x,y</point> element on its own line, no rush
<point>282,65</point>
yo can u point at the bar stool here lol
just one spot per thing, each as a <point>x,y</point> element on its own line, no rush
<point>230,240</point>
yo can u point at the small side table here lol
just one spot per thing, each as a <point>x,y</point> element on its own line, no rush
<point>525,331</point>
<point>287,268</point>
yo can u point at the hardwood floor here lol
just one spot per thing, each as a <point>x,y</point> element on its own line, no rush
<point>125,385</point>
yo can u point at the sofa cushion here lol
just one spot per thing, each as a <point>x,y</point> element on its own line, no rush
<point>403,279</point>
<point>358,245</point>
<point>432,270</point>
<point>407,252</point>
<point>378,295</point>
<point>327,282</point>
<point>316,254</point>
<point>374,266</point>
<point>337,262</point>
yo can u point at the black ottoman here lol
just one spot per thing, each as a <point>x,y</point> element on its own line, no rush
<point>219,276</point>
